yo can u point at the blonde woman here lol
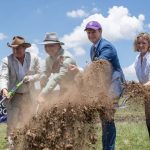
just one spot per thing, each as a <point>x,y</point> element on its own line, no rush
<point>142,67</point>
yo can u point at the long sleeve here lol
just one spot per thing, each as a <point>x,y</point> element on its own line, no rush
<point>57,77</point>
<point>107,53</point>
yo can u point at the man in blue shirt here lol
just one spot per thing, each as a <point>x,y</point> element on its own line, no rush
<point>103,49</point>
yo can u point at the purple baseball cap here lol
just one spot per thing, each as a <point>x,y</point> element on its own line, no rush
<point>93,25</point>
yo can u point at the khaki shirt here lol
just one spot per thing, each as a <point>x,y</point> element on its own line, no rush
<point>59,68</point>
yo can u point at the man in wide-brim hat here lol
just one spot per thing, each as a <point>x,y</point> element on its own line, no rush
<point>51,38</point>
<point>18,66</point>
<point>18,41</point>
<point>57,64</point>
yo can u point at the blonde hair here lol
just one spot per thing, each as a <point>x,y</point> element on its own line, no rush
<point>145,35</point>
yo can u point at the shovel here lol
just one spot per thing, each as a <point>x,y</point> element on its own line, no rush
<point>13,90</point>
<point>123,104</point>
<point>37,109</point>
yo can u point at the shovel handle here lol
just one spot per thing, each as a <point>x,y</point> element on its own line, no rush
<point>12,91</point>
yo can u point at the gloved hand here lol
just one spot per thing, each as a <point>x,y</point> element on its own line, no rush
<point>28,78</point>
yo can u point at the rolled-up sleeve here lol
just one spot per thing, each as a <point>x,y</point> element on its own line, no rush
<point>4,74</point>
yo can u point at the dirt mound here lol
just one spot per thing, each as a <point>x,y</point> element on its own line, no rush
<point>137,92</point>
<point>68,122</point>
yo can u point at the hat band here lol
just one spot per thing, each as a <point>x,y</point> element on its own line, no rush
<point>51,40</point>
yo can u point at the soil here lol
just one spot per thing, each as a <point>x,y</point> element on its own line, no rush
<point>137,93</point>
<point>68,121</point>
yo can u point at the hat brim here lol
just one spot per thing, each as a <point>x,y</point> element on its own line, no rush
<point>93,28</point>
<point>27,45</point>
<point>51,42</point>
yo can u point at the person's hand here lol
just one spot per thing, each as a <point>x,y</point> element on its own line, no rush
<point>147,84</point>
<point>43,83</point>
<point>43,80</point>
<point>60,59</point>
<point>5,93</point>
<point>41,99</point>
<point>27,79</point>
<point>73,68</point>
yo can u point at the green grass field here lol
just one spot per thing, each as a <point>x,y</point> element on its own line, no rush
<point>130,136</point>
<point>131,131</point>
<point>2,136</point>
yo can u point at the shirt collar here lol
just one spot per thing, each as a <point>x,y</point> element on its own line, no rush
<point>60,52</point>
<point>145,56</point>
<point>24,57</point>
<point>95,45</point>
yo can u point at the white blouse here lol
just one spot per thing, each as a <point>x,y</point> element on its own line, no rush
<point>143,69</point>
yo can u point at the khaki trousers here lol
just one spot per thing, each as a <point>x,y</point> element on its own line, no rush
<point>19,111</point>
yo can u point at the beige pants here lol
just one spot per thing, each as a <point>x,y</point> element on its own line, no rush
<point>19,111</point>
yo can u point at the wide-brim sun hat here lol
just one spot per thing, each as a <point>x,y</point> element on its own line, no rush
<point>18,41</point>
<point>51,38</point>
